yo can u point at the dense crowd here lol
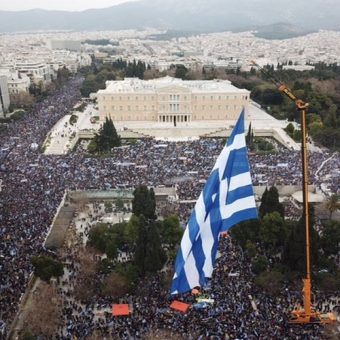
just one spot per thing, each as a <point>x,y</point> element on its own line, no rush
<point>32,184</point>
<point>240,310</point>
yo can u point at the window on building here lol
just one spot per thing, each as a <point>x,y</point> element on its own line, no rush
<point>121,108</point>
<point>211,97</point>
<point>129,108</point>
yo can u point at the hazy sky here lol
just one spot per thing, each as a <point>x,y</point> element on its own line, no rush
<point>67,5</point>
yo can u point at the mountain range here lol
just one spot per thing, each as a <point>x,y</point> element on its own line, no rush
<point>186,15</point>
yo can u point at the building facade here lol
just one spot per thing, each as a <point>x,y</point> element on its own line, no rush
<point>36,71</point>
<point>171,100</point>
<point>4,95</point>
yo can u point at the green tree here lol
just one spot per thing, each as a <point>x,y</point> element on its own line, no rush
<point>98,237</point>
<point>171,232</point>
<point>294,254</point>
<point>330,239</point>
<point>181,71</point>
<point>46,267</point>
<point>131,230</point>
<point>270,203</point>
<point>63,75</point>
<point>144,202</point>
<point>290,129</point>
<point>141,245</point>
<point>106,139</point>
<point>246,231</point>
<point>259,264</point>
<point>272,230</point>
<point>154,254</point>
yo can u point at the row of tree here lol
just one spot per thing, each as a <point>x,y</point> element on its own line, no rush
<point>143,236</point>
<point>277,245</point>
<point>98,74</point>
<point>318,87</point>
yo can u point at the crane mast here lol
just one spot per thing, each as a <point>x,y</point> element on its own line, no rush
<point>307,314</point>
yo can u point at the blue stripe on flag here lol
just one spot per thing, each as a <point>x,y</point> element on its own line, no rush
<point>238,193</point>
<point>197,253</point>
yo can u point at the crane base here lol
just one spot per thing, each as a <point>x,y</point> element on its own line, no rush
<point>300,317</point>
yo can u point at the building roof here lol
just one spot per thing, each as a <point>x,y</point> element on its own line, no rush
<point>136,85</point>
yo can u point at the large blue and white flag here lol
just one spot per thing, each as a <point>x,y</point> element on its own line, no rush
<point>227,199</point>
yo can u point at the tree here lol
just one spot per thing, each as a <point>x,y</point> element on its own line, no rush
<point>144,202</point>
<point>330,239</point>
<point>106,139</point>
<point>272,230</point>
<point>141,244</point>
<point>270,203</point>
<point>46,267</point>
<point>181,71</point>
<point>333,204</point>
<point>154,255</point>
<point>290,129</point>
<point>171,232</point>
<point>63,75</point>
<point>259,264</point>
<point>294,254</point>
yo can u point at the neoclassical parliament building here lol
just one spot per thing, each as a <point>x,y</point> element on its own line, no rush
<point>171,100</point>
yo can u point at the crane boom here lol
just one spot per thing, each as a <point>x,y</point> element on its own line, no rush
<point>307,314</point>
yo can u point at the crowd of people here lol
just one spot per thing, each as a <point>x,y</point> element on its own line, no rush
<point>239,309</point>
<point>32,184</point>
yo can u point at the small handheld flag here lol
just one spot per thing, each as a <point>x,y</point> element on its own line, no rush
<point>227,199</point>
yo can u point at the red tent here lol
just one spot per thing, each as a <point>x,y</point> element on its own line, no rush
<point>120,310</point>
<point>180,306</point>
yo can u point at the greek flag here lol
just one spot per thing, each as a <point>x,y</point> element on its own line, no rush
<point>227,199</point>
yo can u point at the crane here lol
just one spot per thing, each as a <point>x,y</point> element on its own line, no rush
<point>306,315</point>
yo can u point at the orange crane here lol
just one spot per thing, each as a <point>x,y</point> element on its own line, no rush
<point>307,314</point>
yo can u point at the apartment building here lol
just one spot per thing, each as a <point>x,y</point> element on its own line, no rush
<point>171,100</point>
<point>4,95</point>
